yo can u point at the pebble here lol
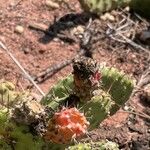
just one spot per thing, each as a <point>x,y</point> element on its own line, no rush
<point>56,39</point>
<point>78,30</point>
<point>26,50</point>
<point>127,9</point>
<point>80,36</point>
<point>108,16</point>
<point>51,4</point>
<point>126,108</point>
<point>19,29</point>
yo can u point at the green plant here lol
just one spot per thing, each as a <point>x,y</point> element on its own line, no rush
<point>103,145</point>
<point>111,89</point>
<point>66,111</point>
<point>102,6</point>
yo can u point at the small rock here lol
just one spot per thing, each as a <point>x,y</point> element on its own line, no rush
<point>12,4</point>
<point>73,31</point>
<point>62,43</point>
<point>80,29</point>
<point>51,4</point>
<point>56,39</point>
<point>19,29</point>
<point>133,56</point>
<point>127,9</point>
<point>108,16</point>
<point>114,13</point>
<point>126,108</point>
<point>26,50</point>
<point>129,122</point>
<point>80,36</point>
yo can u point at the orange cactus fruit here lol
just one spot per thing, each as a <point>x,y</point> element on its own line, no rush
<point>66,125</point>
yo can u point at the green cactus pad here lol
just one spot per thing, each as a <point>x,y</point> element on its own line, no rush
<point>59,93</point>
<point>103,145</point>
<point>101,6</point>
<point>8,95</point>
<point>17,136</point>
<point>118,85</point>
<point>98,108</point>
<point>12,135</point>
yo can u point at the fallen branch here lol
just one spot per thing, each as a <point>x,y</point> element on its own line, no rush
<point>141,114</point>
<point>38,27</point>
<point>45,29</point>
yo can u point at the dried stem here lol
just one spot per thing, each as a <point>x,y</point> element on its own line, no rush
<point>21,68</point>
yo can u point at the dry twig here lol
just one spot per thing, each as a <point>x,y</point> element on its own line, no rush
<point>21,68</point>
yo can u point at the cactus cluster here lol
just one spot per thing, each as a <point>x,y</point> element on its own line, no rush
<point>102,6</point>
<point>98,101</point>
<point>13,135</point>
<point>74,106</point>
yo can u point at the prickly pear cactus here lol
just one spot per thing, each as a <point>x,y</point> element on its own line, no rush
<point>8,95</point>
<point>103,145</point>
<point>118,85</point>
<point>101,6</point>
<point>13,135</point>
<point>101,92</point>
<point>58,94</point>
<point>74,106</point>
<point>98,108</point>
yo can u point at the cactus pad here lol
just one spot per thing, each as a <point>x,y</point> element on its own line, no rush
<point>103,145</point>
<point>118,85</point>
<point>98,108</point>
<point>101,6</point>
